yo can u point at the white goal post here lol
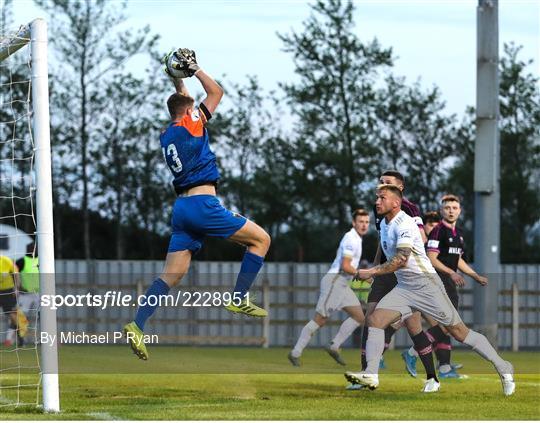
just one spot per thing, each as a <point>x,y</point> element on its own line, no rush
<point>35,33</point>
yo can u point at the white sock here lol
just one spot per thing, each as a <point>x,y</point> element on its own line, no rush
<point>305,335</point>
<point>481,345</point>
<point>374,349</point>
<point>413,352</point>
<point>345,330</point>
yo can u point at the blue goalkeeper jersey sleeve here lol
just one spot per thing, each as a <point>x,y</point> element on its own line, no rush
<point>185,145</point>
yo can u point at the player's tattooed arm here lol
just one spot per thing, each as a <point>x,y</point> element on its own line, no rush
<point>399,260</point>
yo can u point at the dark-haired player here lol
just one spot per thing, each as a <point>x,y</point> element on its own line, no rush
<point>197,212</point>
<point>431,219</point>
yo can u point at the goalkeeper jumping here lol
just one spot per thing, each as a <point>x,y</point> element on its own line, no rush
<point>197,212</point>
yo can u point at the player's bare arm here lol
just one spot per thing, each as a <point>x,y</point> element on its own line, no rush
<point>440,267</point>
<point>393,264</point>
<point>346,265</point>
<point>469,271</point>
<point>180,86</point>
<point>213,90</point>
<point>396,262</point>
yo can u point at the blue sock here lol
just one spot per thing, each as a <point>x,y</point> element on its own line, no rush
<point>251,264</point>
<point>159,288</point>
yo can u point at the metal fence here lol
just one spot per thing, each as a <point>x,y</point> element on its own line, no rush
<point>288,290</point>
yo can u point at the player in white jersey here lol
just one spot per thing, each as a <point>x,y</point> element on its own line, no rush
<point>420,289</point>
<point>336,294</point>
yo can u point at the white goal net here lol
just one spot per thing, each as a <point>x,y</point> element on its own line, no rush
<point>25,221</point>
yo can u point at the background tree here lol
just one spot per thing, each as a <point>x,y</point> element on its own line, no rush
<point>151,179</point>
<point>16,148</point>
<point>520,155</point>
<point>333,104</point>
<point>117,158</point>
<point>416,137</point>
<point>90,46</point>
<point>297,162</point>
<point>244,129</point>
<point>460,177</point>
<point>519,98</point>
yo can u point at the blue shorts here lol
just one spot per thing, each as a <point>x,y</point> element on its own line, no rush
<point>197,216</point>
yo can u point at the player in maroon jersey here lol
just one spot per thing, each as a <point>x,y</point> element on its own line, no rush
<point>445,248</point>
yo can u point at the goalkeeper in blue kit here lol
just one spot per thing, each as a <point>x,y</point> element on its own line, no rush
<point>197,212</point>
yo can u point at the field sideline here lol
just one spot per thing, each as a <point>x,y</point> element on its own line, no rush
<point>187,383</point>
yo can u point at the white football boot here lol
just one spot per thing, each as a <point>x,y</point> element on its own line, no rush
<point>430,386</point>
<point>366,379</point>
<point>507,380</point>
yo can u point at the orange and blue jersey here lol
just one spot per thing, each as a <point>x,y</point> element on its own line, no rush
<point>186,147</point>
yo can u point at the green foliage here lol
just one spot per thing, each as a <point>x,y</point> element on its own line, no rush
<point>86,98</point>
<point>15,137</point>
<point>520,156</point>
<point>461,178</point>
<point>333,103</point>
<point>519,104</point>
<point>297,161</point>
<point>245,128</point>
<point>416,137</point>
<point>139,242</point>
<point>351,120</point>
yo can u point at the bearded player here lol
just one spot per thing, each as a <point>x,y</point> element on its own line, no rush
<point>384,283</point>
<point>418,288</point>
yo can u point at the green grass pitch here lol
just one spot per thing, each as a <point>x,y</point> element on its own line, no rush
<point>185,383</point>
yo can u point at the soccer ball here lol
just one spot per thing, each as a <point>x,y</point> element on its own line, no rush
<point>174,66</point>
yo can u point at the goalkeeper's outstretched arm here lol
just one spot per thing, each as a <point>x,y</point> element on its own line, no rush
<point>213,90</point>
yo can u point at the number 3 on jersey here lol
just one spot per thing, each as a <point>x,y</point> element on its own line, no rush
<point>171,152</point>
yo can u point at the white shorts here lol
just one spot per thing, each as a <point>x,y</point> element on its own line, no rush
<point>427,295</point>
<point>335,294</point>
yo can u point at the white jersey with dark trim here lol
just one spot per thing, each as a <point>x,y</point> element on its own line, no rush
<point>350,246</point>
<point>402,231</point>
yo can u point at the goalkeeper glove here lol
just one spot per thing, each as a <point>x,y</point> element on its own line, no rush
<point>187,60</point>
